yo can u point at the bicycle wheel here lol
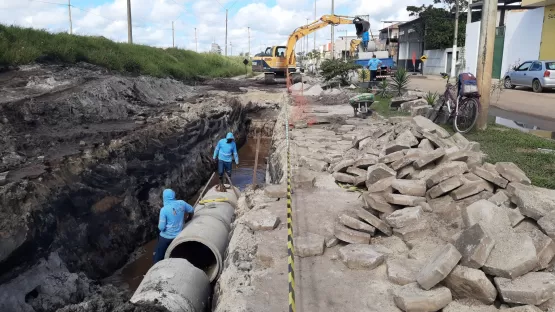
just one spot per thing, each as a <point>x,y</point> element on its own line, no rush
<point>467,116</point>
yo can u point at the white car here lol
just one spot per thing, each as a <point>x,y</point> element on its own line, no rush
<point>537,75</point>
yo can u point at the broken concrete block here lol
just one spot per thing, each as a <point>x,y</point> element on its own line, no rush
<point>402,271</point>
<point>547,224</point>
<point>366,161</point>
<point>356,171</point>
<point>468,305</point>
<point>393,157</point>
<point>526,308</point>
<point>393,243</point>
<point>514,215</point>
<point>356,224</point>
<point>513,255</point>
<point>425,144</point>
<point>411,297</point>
<point>426,124</point>
<point>351,236</point>
<point>424,249</point>
<point>412,231</point>
<point>405,172</point>
<point>313,164</point>
<point>474,198</point>
<point>500,198</point>
<point>470,283</point>
<point>377,202</point>
<point>545,247</point>
<point>404,217</point>
<point>407,138</point>
<point>447,171</point>
<point>532,288</point>
<point>534,202</point>
<point>410,187</point>
<point>343,165</point>
<point>439,266</point>
<point>445,186</point>
<point>383,185</point>
<point>374,221</point>
<point>469,189</point>
<point>360,257</point>
<point>331,241</point>
<point>303,179</point>
<point>404,200</point>
<point>437,141</point>
<point>396,147</point>
<point>378,172</point>
<point>425,207</point>
<point>408,159</point>
<point>512,172</point>
<point>460,140</point>
<point>309,245</point>
<point>493,218</point>
<point>491,177</point>
<point>344,178</point>
<point>261,220</point>
<point>275,190</point>
<point>428,158</point>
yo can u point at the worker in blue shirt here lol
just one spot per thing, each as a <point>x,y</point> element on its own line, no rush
<point>171,221</point>
<point>225,151</point>
<point>373,65</point>
<point>365,40</point>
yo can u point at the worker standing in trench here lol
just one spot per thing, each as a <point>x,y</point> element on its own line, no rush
<point>172,218</point>
<point>226,149</point>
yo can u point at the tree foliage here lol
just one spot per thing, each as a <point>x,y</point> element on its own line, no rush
<point>336,68</point>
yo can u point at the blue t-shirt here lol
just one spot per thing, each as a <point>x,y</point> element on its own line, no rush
<point>172,215</point>
<point>373,63</point>
<point>226,151</point>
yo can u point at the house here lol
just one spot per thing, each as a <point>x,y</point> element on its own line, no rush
<point>411,43</point>
<point>389,39</point>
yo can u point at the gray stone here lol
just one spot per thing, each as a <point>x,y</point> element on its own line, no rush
<point>309,245</point>
<point>360,257</point>
<point>421,110</point>
<point>275,190</point>
<point>378,172</point>
<point>395,147</point>
<point>374,221</point>
<point>532,288</point>
<point>331,242</point>
<point>474,198</point>
<point>402,271</point>
<point>344,178</point>
<point>547,224</point>
<point>470,283</point>
<point>534,202</point>
<point>494,219</point>
<point>393,243</point>
<point>366,161</point>
<point>377,202</point>
<point>407,138</point>
<point>469,189</point>
<point>405,172</point>
<point>545,247</point>
<point>439,266</point>
<point>348,235</point>
<point>512,172</point>
<point>460,140</point>
<point>410,156</point>
<point>468,305</point>
<point>261,220</point>
<point>4,178</point>
<point>410,187</point>
<point>393,157</point>
<point>425,144</point>
<point>404,217</point>
<point>343,165</point>
<point>357,171</point>
<point>526,308</point>
<point>411,297</point>
<point>398,100</point>
<point>445,172</point>
<point>436,140</point>
<point>514,215</point>
<point>313,164</point>
<point>500,198</point>
<point>513,255</point>
<point>383,185</point>
<point>428,158</point>
<point>356,224</point>
<point>427,124</point>
<point>404,200</point>
<point>413,231</point>
<point>303,179</point>
<point>445,186</point>
<point>494,178</point>
<point>407,106</point>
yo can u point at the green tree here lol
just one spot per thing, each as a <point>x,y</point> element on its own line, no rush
<point>438,24</point>
<point>337,69</point>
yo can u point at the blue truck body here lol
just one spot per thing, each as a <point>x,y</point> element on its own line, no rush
<point>386,62</point>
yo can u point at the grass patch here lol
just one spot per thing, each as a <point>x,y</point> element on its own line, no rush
<point>20,46</point>
<point>505,144</point>
<point>381,106</point>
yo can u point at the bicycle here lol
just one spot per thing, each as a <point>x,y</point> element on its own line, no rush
<point>462,109</point>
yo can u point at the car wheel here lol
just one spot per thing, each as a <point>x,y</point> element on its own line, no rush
<point>508,84</point>
<point>537,86</point>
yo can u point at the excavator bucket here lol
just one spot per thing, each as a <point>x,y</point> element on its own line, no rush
<point>361,26</point>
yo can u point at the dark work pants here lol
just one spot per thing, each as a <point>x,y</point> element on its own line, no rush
<point>224,166</point>
<point>373,74</point>
<point>161,247</point>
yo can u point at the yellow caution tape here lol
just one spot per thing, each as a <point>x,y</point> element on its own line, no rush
<point>217,200</point>
<point>290,247</point>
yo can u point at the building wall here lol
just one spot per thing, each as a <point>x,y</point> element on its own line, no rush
<point>437,61</point>
<point>547,49</point>
<point>471,47</point>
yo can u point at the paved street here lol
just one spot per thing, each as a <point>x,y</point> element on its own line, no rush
<point>520,104</point>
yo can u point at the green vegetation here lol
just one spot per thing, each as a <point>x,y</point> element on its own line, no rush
<point>381,106</point>
<point>19,46</point>
<point>400,81</point>
<point>337,69</point>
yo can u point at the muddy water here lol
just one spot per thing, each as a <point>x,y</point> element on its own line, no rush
<point>132,274</point>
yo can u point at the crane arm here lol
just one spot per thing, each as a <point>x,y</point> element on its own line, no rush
<point>319,24</point>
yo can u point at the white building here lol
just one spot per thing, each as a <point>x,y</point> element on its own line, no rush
<point>215,48</point>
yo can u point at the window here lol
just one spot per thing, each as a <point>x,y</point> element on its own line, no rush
<point>524,66</point>
<point>536,66</point>
<point>268,51</point>
<point>281,51</point>
<point>550,65</point>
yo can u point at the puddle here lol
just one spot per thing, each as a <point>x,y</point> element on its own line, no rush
<point>132,274</point>
<point>524,127</point>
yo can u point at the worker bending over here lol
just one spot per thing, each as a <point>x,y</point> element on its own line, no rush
<point>225,151</point>
<point>172,217</point>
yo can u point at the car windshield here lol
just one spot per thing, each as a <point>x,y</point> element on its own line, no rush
<point>550,65</point>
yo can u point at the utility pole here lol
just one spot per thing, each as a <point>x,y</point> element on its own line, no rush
<point>307,48</point>
<point>345,45</point>
<point>173,36</point>
<point>332,34</point>
<point>249,31</point>
<point>469,14</point>
<point>226,11</point>
<point>129,27</point>
<point>70,23</point>
<point>314,20</point>
<point>196,40</point>
<point>454,54</point>
<point>485,59</point>
<point>231,49</point>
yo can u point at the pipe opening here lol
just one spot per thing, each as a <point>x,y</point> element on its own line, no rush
<point>198,255</point>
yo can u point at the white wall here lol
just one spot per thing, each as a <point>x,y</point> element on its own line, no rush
<point>437,61</point>
<point>523,31</point>
<point>471,47</point>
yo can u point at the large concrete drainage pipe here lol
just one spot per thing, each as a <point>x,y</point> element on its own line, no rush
<point>175,284</point>
<point>204,239</point>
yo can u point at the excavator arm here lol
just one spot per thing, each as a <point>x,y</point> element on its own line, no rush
<point>354,45</point>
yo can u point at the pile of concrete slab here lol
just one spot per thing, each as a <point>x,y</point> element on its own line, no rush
<point>474,232</point>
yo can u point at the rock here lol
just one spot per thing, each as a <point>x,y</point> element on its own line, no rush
<point>429,125</point>
<point>545,247</point>
<point>411,297</point>
<point>407,138</point>
<point>408,159</point>
<point>413,231</point>
<point>491,177</point>
<point>468,305</point>
<point>512,172</point>
<point>383,185</point>
<point>366,161</point>
<point>470,283</point>
<point>393,243</point>
<point>437,140</point>
<point>513,255</point>
<point>303,179</point>
<point>547,224</point>
<point>514,215</point>
<point>439,266</point>
<point>348,235</point>
<point>275,190</point>
<point>360,257</point>
<point>374,221</point>
<point>460,140</point>
<point>377,202</point>
<point>344,178</point>
<point>452,169</point>
<point>527,308</point>
<point>469,189</point>
<point>356,224</point>
<point>428,158</point>
<point>425,144</point>
<point>406,172</point>
<point>313,164</point>
<point>404,200</point>
<point>421,110</point>
<point>475,245</point>
<point>410,187</point>
<point>343,165</point>
<point>534,202</point>
<point>407,106</point>
<point>261,220</point>
<point>402,271</point>
<point>309,245</point>
<point>398,100</point>
<point>493,218</point>
<point>393,157</point>
<point>532,288</point>
<point>404,217</point>
<point>500,198</point>
<point>445,186</point>
<point>378,172</point>
<point>395,147</point>
<point>331,241</point>
<point>82,143</point>
<point>4,178</point>
<point>357,171</point>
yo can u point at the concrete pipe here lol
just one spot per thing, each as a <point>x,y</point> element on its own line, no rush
<point>204,239</point>
<point>175,284</point>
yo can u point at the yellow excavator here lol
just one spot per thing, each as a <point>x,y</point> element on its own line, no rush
<point>280,61</point>
<point>354,46</point>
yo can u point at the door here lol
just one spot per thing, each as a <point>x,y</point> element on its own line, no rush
<point>517,77</point>
<point>535,71</point>
<point>449,59</point>
<point>498,52</point>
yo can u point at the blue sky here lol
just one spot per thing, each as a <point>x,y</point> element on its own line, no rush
<point>270,21</point>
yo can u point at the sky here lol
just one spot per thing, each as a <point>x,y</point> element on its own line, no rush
<point>270,21</point>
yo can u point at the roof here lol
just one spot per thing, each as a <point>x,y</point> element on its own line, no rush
<point>396,25</point>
